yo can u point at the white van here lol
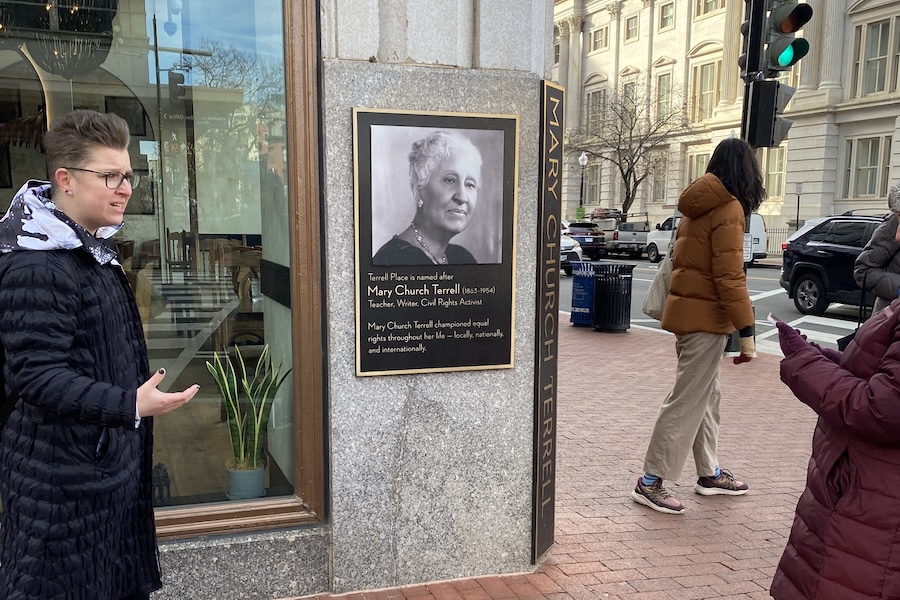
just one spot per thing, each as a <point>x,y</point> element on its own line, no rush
<point>759,235</point>
<point>659,239</point>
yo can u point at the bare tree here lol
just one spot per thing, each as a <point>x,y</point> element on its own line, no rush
<point>261,80</point>
<point>631,129</point>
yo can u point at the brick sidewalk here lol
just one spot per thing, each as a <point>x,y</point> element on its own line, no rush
<point>607,546</point>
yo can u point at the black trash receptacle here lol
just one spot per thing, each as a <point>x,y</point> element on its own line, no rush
<point>612,296</point>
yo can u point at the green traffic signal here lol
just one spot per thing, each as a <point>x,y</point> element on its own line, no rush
<point>786,58</point>
<point>794,51</point>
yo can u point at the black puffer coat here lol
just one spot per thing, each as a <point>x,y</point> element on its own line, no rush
<point>78,518</point>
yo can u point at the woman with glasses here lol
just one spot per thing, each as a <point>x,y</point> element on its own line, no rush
<point>76,449</point>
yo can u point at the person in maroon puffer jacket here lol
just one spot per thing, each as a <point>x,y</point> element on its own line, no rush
<point>847,526</point>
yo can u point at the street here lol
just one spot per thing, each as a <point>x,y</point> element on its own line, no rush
<point>765,292</point>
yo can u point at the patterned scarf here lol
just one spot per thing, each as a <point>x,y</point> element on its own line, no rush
<point>33,222</point>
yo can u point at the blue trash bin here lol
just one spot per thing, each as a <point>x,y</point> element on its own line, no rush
<point>582,313</point>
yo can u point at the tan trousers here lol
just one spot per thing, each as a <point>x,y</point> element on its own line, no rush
<point>689,417</point>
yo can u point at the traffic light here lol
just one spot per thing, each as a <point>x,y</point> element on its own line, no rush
<point>783,48</point>
<point>765,127</point>
<point>176,86</point>
<point>751,38</point>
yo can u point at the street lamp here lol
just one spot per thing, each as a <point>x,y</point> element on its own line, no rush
<point>582,160</point>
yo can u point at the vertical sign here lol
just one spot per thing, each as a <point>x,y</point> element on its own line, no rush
<point>547,315</point>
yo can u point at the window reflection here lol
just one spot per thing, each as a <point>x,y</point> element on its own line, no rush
<point>201,85</point>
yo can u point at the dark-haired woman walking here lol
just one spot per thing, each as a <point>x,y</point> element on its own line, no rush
<point>707,300</point>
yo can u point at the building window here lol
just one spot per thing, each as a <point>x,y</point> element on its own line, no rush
<point>697,165</point>
<point>866,171</point>
<point>876,59</point>
<point>592,184</point>
<point>663,95</point>
<point>206,236</point>
<point>600,39</point>
<point>704,7</point>
<point>667,16</point>
<point>867,167</point>
<point>895,56</point>
<point>595,106</point>
<point>705,90</point>
<point>628,91</point>
<point>775,172</point>
<point>631,28</point>
<point>660,172</point>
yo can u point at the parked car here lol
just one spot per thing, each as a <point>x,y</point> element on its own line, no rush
<point>817,266</point>
<point>658,240</point>
<point>569,252</point>
<point>590,237</point>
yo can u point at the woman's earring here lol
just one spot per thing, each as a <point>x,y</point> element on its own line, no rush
<point>421,204</point>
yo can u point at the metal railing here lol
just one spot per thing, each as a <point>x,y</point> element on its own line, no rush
<point>775,236</point>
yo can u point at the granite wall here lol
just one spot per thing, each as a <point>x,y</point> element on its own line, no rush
<point>431,474</point>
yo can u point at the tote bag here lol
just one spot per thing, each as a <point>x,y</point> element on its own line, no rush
<point>655,300</point>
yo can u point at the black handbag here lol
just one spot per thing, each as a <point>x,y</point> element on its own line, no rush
<point>843,342</point>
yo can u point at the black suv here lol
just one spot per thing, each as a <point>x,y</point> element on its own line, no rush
<point>817,267</point>
<point>590,236</point>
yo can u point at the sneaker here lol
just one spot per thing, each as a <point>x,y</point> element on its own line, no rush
<point>724,485</point>
<point>656,497</point>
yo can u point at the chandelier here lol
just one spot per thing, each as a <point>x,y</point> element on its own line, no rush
<point>69,38</point>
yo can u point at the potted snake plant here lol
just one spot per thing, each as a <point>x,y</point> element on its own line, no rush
<point>247,395</point>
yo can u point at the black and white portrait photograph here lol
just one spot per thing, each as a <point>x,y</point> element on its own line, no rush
<point>436,196</point>
<point>434,216</point>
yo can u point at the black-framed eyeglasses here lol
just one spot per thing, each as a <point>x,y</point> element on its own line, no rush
<point>113,180</point>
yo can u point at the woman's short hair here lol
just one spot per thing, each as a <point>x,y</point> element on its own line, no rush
<point>428,152</point>
<point>74,135</point>
<point>734,163</point>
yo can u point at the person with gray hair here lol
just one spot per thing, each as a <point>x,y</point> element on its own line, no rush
<point>877,268</point>
<point>445,176</point>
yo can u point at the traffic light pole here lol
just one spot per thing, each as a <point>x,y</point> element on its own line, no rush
<point>755,17</point>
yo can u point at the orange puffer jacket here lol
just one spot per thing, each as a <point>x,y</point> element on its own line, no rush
<point>708,290</point>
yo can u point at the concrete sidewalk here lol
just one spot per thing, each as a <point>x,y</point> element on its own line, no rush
<point>607,546</point>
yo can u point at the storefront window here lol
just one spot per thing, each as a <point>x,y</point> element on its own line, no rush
<point>206,237</point>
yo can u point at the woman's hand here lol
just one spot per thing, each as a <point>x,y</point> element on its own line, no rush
<point>748,350</point>
<point>829,353</point>
<point>152,402</point>
<point>790,339</point>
